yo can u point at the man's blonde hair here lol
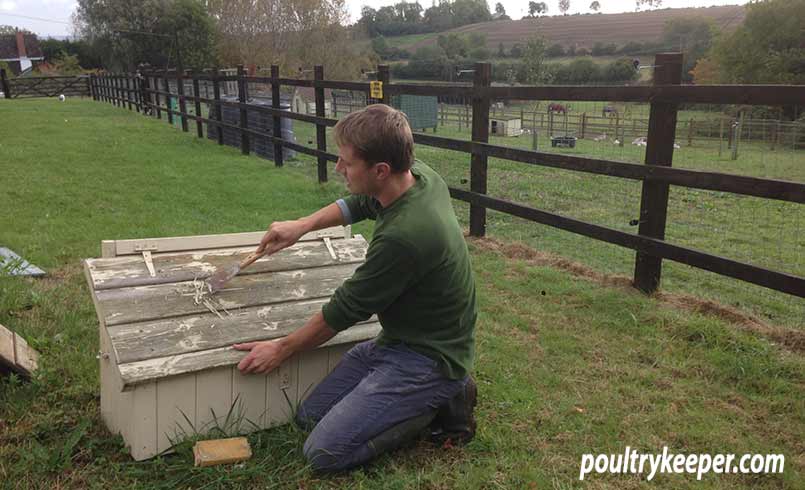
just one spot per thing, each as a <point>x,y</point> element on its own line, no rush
<point>378,133</point>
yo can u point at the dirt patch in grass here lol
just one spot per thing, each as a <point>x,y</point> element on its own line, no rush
<point>793,340</point>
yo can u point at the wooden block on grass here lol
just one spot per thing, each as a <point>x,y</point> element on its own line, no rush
<point>15,354</point>
<point>222,451</point>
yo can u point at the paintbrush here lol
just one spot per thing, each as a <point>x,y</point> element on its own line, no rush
<point>224,274</point>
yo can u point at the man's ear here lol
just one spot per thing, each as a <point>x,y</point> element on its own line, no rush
<point>382,170</point>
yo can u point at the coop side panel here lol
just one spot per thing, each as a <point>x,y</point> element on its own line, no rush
<point>214,399</point>
<point>176,409</point>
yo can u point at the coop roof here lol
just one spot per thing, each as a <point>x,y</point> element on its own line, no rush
<point>159,327</point>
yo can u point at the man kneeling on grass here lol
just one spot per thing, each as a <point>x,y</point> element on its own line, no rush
<point>417,279</point>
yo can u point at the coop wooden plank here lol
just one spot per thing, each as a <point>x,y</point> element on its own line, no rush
<point>139,341</point>
<point>213,399</point>
<point>131,270</point>
<point>176,410</point>
<point>142,303</point>
<point>135,373</point>
<point>282,391</point>
<point>143,428</point>
<point>199,242</point>
<point>250,392</point>
<point>312,369</point>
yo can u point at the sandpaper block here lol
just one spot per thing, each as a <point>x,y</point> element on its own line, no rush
<point>221,451</point>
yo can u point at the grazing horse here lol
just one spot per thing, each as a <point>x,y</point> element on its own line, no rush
<point>553,107</point>
<point>609,110</point>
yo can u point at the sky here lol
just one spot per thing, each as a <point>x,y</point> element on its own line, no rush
<point>52,17</point>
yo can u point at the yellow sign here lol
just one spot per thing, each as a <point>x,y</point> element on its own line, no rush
<point>376,90</point>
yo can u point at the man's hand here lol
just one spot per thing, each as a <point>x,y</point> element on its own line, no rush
<point>263,356</point>
<point>282,234</point>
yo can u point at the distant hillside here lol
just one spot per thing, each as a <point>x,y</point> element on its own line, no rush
<point>582,30</point>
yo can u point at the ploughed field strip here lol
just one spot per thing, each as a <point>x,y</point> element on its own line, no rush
<point>168,368</point>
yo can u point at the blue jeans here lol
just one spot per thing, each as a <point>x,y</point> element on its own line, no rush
<point>371,391</point>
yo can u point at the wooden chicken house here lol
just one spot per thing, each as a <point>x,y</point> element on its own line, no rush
<point>168,368</point>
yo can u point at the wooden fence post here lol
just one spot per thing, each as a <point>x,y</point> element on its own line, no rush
<point>157,102</point>
<point>244,115</point>
<point>480,134</point>
<point>104,88</point>
<point>583,125</point>
<point>197,106</point>
<point>384,75</point>
<point>119,87</point>
<point>321,129</point>
<point>216,93</point>
<point>145,98</point>
<point>659,152</point>
<point>5,86</point>
<point>91,82</point>
<point>182,102</point>
<point>275,103</point>
<point>137,91</point>
<point>168,98</point>
<point>128,91</point>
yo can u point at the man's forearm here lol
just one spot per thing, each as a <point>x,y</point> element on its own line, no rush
<point>314,333</point>
<point>324,218</point>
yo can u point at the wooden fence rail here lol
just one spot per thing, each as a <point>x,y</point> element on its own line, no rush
<point>152,93</point>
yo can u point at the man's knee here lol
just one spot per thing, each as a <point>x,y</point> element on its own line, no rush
<point>323,458</point>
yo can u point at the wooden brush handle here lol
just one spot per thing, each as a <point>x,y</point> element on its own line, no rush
<point>250,259</point>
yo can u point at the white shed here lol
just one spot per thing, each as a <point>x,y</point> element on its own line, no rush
<point>166,362</point>
<point>505,126</point>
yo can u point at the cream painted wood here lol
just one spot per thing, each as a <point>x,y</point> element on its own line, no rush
<point>250,391</point>
<point>175,396</point>
<point>141,435</point>
<point>282,393</point>
<point>313,368</point>
<point>213,398</point>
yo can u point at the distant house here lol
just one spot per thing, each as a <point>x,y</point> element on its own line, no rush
<point>304,101</point>
<point>21,51</point>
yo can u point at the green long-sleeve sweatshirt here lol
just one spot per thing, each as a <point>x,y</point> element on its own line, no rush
<point>417,275</point>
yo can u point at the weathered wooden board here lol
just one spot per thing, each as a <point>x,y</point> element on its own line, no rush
<point>15,353</point>
<point>138,372</point>
<point>131,270</point>
<point>142,303</point>
<point>16,265</point>
<point>201,242</point>
<point>160,338</point>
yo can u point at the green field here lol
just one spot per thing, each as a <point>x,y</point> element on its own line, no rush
<point>569,361</point>
<point>759,231</point>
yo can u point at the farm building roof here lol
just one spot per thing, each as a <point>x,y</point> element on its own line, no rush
<point>8,46</point>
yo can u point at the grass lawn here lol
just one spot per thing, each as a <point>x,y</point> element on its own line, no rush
<point>569,360</point>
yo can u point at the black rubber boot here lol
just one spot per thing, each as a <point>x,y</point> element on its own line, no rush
<point>455,421</point>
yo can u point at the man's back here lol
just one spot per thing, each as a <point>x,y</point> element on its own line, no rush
<point>417,276</point>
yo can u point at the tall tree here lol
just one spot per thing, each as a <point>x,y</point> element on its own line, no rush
<point>564,6</point>
<point>693,36</point>
<point>534,65</point>
<point>595,6</point>
<point>158,32</point>
<point>768,47</point>
<point>500,12</point>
